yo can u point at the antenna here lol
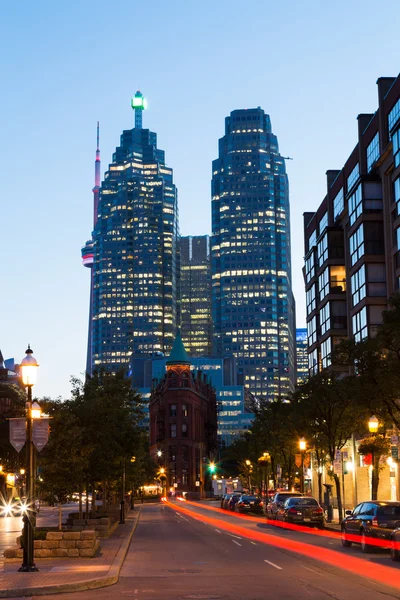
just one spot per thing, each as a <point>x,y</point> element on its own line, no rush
<point>286,158</point>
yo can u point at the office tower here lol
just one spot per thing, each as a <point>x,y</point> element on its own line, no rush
<point>135,266</point>
<point>252,300</point>
<point>352,241</point>
<point>196,294</point>
<point>301,356</point>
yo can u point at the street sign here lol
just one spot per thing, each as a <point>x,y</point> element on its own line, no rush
<point>395,452</point>
<point>40,432</point>
<point>337,466</point>
<point>297,460</point>
<point>17,433</point>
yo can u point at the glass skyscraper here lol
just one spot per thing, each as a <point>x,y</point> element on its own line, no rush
<point>135,251</point>
<point>195,263</point>
<point>252,299</point>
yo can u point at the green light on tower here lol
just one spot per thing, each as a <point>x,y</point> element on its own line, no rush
<point>139,104</point>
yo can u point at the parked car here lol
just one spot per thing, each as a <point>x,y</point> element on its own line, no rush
<point>223,499</point>
<point>249,504</point>
<point>227,497</point>
<point>302,511</point>
<point>278,501</point>
<point>371,520</point>
<point>395,539</point>
<point>233,500</point>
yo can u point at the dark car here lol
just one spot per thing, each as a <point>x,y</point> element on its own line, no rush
<point>278,501</point>
<point>232,501</point>
<point>226,498</point>
<point>249,504</point>
<point>302,511</point>
<point>223,500</point>
<point>371,520</point>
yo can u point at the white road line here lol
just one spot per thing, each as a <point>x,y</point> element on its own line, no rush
<point>236,536</point>
<point>204,523</point>
<point>273,564</point>
<point>254,544</point>
<point>218,531</point>
<point>235,542</point>
<point>312,570</point>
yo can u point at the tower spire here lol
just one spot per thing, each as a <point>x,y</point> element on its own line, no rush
<point>96,188</point>
<point>139,104</point>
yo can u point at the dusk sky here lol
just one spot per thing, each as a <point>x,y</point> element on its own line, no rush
<point>311,65</point>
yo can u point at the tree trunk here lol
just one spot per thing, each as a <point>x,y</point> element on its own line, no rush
<point>87,502</point>
<point>93,500</point>
<point>59,516</point>
<point>339,496</point>
<point>104,496</point>
<point>375,479</point>
<point>319,486</point>
<point>80,503</point>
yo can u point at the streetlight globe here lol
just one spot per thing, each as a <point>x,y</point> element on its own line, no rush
<point>302,444</point>
<point>36,411</point>
<point>159,453</point>
<point>29,366</point>
<point>248,462</point>
<point>373,425</point>
<point>162,470</point>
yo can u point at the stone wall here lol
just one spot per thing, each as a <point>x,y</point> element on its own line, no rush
<point>61,544</point>
<point>104,526</point>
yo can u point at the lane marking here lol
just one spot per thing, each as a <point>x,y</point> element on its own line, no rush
<point>235,542</point>
<point>312,570</point>
<point>235,536</point>
<point>273,564</point>
<point>254,544</point>
<point>218,531</point>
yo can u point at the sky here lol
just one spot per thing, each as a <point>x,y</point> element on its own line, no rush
<point>311,65</point>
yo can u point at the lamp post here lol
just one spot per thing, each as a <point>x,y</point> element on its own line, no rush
<point>29,368</point>
<point>373,426</point>
<point>248,464</point>
<point>302,446</point>
<point>122,502</point>
<point>163,479</point>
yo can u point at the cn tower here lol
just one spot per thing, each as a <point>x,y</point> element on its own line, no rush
<point>87,250</point>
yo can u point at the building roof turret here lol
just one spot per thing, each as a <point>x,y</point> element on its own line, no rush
<point>178,354</point>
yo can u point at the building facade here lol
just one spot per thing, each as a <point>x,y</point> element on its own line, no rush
<point>183,424</point>
<point>195,285</point>
<point>135,251</point>
<point>252,299</point>
<point>234,401</point>
<point>352,242</point>
<point>301,356</point>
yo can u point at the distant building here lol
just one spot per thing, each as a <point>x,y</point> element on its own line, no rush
<point>195,284</point>
<point>134,251</point>
<point>352,241</point>
<point>252,299</point>
<point>233,399</point>
<point>183,424</point>
<point>301,355</point>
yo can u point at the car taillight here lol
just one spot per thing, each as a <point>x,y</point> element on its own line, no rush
<point>292,511</point>
<point>375,522</point>
<point>318,511</point>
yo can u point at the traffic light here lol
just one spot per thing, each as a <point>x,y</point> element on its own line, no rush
<point>212,467</point>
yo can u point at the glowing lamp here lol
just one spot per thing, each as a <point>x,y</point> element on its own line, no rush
<point>29,368</point>
<point>162,470</point>
<point>22,471</point>
<point>302,444</point>
<point>373,425</point>
<point>36,411</point>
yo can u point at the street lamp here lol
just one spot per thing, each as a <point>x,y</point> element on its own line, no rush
<point>163,478</point>
<point>302,446</point>
<point>373,426</point>
<point>248,464</point>
<point>29,368</point>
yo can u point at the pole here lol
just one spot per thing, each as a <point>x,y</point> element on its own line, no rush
<point>28,563</point>
<point>355,495</point>
<point>344,497</point>
<point>302,474</point>
<point>122,511</point>
<point>373,492</point>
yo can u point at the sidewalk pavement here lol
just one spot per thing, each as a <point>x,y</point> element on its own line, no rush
<point>58,575</point>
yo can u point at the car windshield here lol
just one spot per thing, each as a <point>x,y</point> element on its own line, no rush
<point>302,502</point>
<point>250,498</point>
<point>389,511</point>
<point>282,497</point>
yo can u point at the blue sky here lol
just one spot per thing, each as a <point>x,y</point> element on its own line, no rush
<point>312,66</point>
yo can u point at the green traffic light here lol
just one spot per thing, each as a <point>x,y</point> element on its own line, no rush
<point>212,467</point>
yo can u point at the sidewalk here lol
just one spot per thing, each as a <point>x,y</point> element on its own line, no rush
<point>72,574</point>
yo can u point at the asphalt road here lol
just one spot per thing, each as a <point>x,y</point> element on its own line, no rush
<point>177,553</point>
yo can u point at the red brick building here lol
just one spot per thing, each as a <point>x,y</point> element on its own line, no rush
<point>183,424</point>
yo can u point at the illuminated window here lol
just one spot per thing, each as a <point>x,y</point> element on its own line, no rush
<point>373,152</point>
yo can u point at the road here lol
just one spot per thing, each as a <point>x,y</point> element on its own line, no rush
<point>179,552</point>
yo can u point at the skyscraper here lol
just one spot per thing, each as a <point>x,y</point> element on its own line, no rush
<point>135,267</point>
<point>253,304</point>
<point>301,356</point>
<point>196,294</point>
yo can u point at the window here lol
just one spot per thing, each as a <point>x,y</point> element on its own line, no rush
<point>396,147</point>
<point>184,429</point>
<point>393,116</point>
<point>324,319</point>
<point>338,279</point>
<point>357,245</point>
<point>359,323</point>
<point>310,299</point>
<point>313,362</point>
<point>323,250</point>
<point>338,204</point>
<point>355,205</point>
<point>173,430</point>
<point>312,240</point>
<point>310,267</point>
<point>326,349</point>
<point>172,453</point>
<point>397,195</point>
<point>376,279</point>
<point>172,410</point>
<point>184,410</point>
<point>353,177</point>
<point>323,283</point>
<point>372,152</point>
<point>312,331</point>
<point>358,286</point>
<point>323,224</point>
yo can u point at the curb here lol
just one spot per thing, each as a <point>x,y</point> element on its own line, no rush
<point>90,584</point>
